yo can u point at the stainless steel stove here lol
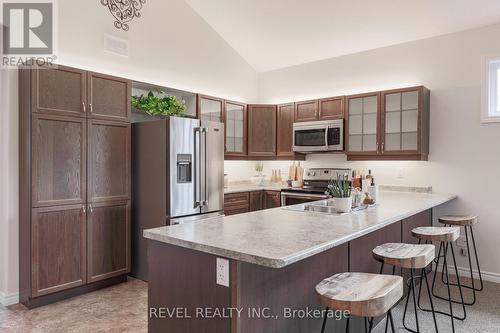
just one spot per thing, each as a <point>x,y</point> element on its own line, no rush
<point>315,184</point>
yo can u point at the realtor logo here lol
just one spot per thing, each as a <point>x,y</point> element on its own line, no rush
<point>28,32</point>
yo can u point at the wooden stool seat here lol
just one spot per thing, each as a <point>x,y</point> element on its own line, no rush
<point>437,234</point>
<point>459,220</point>
<point>363,294</point>
<point>405,255</point>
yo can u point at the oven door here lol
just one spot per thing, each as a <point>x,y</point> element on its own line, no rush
<point>288,199</point>
<point>318,136</point>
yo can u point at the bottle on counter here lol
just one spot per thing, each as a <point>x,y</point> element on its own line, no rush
<point>373,190</point>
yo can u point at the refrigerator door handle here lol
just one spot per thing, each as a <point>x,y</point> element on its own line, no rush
<point>196,164</point>
<point>203,171</point>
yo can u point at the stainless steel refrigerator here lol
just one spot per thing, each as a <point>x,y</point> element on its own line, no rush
<point>177,177</point>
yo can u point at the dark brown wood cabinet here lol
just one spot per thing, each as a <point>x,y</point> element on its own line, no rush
<point>256,200</point>
<point>262,131</point>
<point>108,246</point>
<point>272,199</point>
<point>388,125</point>
<point>58,249</point>
<point>236,203</point>
<point>74,166</point>
<point>320,109</point>
<point>286,118</point>
<point>108,97</point>
<point>70,85</point>
<point>306,110</point>
<point>331,108</point>
<point>361,256</point>
<point>108,161</point>
<point>58,160</point>
<point>235,127</point>
<point>210,108</point>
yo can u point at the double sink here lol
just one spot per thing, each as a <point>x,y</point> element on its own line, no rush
<point>325,206</point>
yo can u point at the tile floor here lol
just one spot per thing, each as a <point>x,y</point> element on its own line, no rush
<point>121,308</point>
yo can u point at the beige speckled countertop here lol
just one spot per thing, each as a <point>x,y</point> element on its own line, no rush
<point>279,237</point>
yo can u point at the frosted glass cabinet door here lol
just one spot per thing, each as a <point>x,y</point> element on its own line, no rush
<point>235,119</point>
<point>362,120</point>
<point>210,108</point>
<point>401,121</point>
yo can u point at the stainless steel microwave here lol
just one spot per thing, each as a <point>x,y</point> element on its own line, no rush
<point>318,136</point>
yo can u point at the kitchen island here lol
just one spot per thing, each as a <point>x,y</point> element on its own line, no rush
<point>275,256</point>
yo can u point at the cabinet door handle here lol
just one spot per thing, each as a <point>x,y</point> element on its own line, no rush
<point>319,113</point>
<point>84,108</point>
<point>383,146</point>
<point>90,106</point>
<point>91,209</point>
<point>378,147</point>
<point>84,210</point>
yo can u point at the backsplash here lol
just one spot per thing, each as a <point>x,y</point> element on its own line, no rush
<point>385,172</point>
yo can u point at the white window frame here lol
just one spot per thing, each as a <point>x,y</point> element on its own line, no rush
<point>489,90</point>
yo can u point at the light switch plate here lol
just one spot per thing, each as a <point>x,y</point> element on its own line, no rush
<point>222,272</point>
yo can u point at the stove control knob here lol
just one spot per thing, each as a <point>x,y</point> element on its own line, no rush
<point>312,173</point>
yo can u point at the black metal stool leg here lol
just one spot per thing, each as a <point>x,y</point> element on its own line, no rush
<point>445,269</point>
<point>389,314</point>
<point>449,292</point>
<point>477,261</point>
<point>412,290</point>
<point>370,326</point>
<point>424,274</point>
<point>325,317</point>
<point>472,287</point>
<point>347,324</point>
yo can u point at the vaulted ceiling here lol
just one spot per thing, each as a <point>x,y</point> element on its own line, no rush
<point>272,34</point>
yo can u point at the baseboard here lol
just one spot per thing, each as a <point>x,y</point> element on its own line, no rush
<point>464,272</point>
<point>9,299</point>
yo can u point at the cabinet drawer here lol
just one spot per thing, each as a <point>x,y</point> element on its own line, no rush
<point>233,210</point>
<point>236,199</point>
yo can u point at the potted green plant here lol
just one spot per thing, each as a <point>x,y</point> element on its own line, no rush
<point>340,190</point>
<point>258,179</point>
<point>159,104</point>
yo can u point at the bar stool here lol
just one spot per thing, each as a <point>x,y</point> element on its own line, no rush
<point>363,294</point>
<point>466,221</point>
<point>412,257</point>
<point>446,236</point>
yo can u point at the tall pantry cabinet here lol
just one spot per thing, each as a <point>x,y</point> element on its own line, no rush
<point>74,195</point>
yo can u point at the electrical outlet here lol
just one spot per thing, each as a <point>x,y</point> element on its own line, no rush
<point>222,272</point>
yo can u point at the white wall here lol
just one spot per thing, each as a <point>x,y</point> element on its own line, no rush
<point>465,156</point>
<point>170,45</point>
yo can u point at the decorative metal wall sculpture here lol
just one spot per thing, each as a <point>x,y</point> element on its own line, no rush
<point>124,11</point>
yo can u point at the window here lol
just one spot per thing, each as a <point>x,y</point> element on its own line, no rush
<point>491,90</point>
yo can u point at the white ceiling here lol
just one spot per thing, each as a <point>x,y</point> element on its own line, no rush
<point>272,34</point>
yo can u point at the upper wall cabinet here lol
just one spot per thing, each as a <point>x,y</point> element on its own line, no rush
<point>388,125</point>
<point>285,130</point>
<point>331,108</point>
<point>235,120</point>
<point>306,110</point>
<point>320,109</point>
<point>261,131</point>
<point>108,97</point>
<point>362,124</point>
<point>69,84</point>
<point>210,108</point>
<point>405,123</point>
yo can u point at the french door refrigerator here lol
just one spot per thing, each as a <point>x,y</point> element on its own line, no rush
<point>177,177</point>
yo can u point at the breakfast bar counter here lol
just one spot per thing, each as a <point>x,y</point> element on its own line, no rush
<point>275,259</point>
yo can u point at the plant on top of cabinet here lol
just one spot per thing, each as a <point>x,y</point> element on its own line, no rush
<point>159,104</point>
